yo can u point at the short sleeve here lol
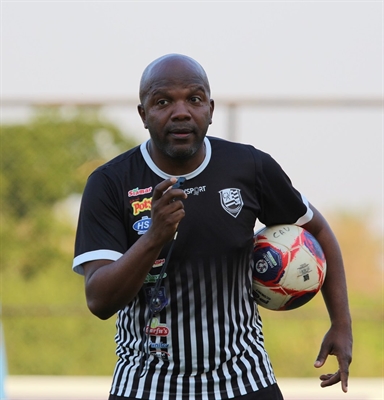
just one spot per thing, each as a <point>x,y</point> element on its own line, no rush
<point>101,233</point>
<point>280,202</point>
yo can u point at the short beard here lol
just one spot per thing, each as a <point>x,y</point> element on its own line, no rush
<point>175,153</point>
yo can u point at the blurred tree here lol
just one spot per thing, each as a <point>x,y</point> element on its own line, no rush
<point>43,162</point>
<point>361,241</point>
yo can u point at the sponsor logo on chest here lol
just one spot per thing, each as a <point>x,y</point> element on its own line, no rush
<point>142,225</point>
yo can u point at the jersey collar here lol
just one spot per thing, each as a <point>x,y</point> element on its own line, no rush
<point>162,174</point>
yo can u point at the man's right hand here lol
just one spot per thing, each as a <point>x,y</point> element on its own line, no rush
<point>111,285</point>
<point>167,210</point>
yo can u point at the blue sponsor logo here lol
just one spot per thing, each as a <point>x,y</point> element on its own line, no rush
<point>142,225</point>
<point>160,345</point>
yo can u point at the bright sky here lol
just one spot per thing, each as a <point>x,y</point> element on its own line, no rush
<point>98,49</point>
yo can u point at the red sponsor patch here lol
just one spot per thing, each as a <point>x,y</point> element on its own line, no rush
<point>139,192</point>
<point>160,330</point>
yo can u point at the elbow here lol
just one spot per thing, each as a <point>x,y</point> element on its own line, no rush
<point>104,317</point>
<point>100,310</point>
<point>100,300</point>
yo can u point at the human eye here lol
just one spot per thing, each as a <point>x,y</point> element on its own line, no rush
<point>162,102</point>
<point>196,99</point>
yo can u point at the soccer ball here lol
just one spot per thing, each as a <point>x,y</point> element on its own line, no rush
<point>288,267</point>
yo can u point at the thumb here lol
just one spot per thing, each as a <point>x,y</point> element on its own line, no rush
<point>320,360</point>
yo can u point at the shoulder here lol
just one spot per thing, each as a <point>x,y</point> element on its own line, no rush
<point>112,174</point>
<point>119,165</point>
<point>235,150</point>
<point>119,161</point>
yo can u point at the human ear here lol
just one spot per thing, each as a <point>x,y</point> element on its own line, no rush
<point>212,107</point>
<point>140,109</point>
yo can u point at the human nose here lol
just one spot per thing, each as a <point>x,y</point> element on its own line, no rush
<point>180,111</point>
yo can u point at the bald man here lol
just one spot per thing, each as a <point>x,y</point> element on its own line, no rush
<point>164,240</point>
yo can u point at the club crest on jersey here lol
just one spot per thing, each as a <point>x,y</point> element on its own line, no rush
<point>231,201</point>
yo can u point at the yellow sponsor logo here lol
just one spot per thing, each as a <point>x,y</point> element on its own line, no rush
<point>141,206</point>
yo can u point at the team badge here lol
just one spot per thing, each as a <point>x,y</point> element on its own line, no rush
<point>231,201</point>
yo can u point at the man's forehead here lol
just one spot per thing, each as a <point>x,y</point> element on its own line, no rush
<point>175,62</point>
<point>165,86</point>
<point>173,71</point>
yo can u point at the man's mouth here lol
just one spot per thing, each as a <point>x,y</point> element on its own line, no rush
<point>181,132</point>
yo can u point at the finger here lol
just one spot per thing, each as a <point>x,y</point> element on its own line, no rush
<point>173,194</point>
<point>330,379</point>
<point>344,360</point>
<point>325,377</point>
<point>344,380</point>
<point>320,360</point>
<point>162,187</point>
<point>175,206</point>
<point>344,386</point>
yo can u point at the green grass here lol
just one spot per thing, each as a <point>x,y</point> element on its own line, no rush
<point>293,338</point>
<point>67,340</point>
<point>49,330</point>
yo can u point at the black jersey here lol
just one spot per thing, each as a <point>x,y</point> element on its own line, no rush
<point>205,340</point>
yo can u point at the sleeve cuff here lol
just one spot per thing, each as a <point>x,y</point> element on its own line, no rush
<point>307,216</point>
<point>78,261</point>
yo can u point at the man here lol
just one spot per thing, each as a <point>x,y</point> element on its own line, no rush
<point>173,263</point>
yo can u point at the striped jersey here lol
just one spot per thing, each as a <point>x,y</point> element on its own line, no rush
<point>203,339</point>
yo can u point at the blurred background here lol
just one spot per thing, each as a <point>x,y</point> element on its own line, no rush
<point>300,80</point>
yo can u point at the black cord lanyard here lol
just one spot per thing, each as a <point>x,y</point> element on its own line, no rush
<point>151,312</point>
<point>152,309</point>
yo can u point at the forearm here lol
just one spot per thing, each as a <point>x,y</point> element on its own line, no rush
<point>111,286</point>
<point>334,289</point>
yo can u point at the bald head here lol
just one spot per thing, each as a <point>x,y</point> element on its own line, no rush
<point>171,68</point>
